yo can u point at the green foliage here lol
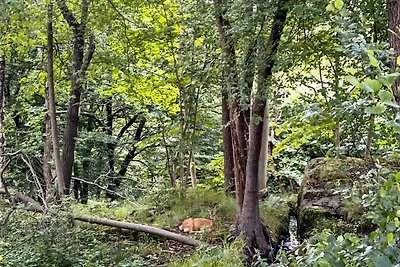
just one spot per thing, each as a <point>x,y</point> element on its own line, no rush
<point>379,248</point>
<point>227,256</point>
<point>38,240</point>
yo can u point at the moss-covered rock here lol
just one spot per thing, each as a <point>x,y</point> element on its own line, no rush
<point>321,202</point>
<point>275,212</point>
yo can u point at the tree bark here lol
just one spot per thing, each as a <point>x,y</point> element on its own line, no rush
<point>263,164</point>
<point>80,64</point>
<point>393,10</point>
<point>229,177</point>
<point>52,102</point>
<point>2,102</point>
<point>48,146</point>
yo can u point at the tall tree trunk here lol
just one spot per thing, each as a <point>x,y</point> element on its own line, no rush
<point>257,236</point>
<point>52,102</point>
<point>48,145</point>
<point>238,126</point>
<point>263,164</point>
<point>80,64</point>
<point>393,10</point>
<point>229,177</point>
<point>255,233</point>
<point>2,102</point>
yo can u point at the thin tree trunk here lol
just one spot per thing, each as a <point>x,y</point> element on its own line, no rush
<point>192,169</point>
<point>48,145</point>
<point>263,164</point>
<point>2,102</point>
<point>229,177</point>
<point>52,102</point>
<point>393,10</point>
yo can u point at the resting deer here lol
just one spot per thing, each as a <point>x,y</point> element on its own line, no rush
<point>193,225</point>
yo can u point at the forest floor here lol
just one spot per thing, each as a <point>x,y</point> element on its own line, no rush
<point>31,239</point>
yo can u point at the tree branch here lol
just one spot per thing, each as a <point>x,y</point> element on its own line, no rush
<point>126,126</point>
<point>89,55</point>
<point>67,14</point>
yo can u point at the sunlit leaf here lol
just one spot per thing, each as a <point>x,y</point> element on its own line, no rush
<point>371,86</point>
<point>374,62</point>
<point>353,80</point>
<point>330,7</point>
<point>339,4</point>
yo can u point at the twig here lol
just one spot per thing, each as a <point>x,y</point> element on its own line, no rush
<point>99,186</point>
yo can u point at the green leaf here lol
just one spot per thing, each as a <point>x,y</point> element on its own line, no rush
<point>371,86</point>
<point>353,80</point>
<point>375,110</point>
<point>339,4</point>
<point>388,79</point>
<point>390,238</point>
<point>398,61</point>
<point>374,62</point>
<point>385,96</point>
<point>383,261</point>
<point>352,71</point>
<point>395,125</point>
<point>330,7</point>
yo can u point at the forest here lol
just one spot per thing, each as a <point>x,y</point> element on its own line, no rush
<point>200,133</point>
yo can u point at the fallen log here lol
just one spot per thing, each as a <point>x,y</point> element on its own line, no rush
<point>36,207</point>
<point>140,228</point>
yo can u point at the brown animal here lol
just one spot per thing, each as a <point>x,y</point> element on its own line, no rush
<point>193,225</point>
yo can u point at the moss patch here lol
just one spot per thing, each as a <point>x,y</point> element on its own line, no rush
<point>321,202</point>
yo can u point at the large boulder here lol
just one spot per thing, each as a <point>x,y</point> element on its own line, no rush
<point>321,203</point>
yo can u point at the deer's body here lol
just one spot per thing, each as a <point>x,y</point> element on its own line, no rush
<point>195,225</point>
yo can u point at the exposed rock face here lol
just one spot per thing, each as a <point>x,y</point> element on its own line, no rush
<point>321,202</point>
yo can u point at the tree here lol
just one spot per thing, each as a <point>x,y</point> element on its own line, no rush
<point>81,61</point>
<point>51,106</point>
<point>247,142</point>
<point>2,129</point>
<point>393,11</point>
